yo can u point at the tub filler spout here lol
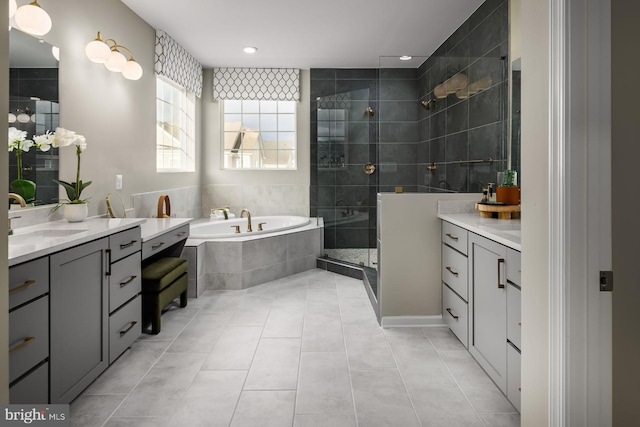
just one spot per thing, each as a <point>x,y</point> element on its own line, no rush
<point>249,230</point>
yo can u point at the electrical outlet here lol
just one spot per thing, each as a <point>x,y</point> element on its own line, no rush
<point>118,182</point>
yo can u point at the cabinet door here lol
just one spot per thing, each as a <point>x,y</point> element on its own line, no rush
<point>79,319</point>
<point>489,339</point>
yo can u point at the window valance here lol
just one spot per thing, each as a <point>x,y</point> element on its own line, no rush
<point>273,84</point>
<point>175,63</point>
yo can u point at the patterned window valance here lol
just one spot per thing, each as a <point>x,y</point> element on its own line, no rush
<point>274,84</point>
<point>175,63</point>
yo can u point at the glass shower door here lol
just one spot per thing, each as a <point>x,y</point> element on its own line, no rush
<point>346,195</point>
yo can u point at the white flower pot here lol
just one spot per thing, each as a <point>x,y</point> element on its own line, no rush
<point>76,212</point>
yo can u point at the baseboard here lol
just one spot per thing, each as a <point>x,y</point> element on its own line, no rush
<point>409,321</point>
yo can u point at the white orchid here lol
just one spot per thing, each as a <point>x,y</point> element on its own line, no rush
<point>64,137</point>
<point>81,142</point>
<point>43,142</point>
<point>18,140</point>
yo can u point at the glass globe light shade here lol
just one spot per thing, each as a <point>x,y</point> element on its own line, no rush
<point>55,51</point>
<point>12,8</point>
<point>116,62</point>
<point>24,118</point>
<point>459,81</point>
<point>33,118</point>
<point>32,19</point>
<point>440,91</point>
<point>97,51</point>
<point>12,118</point>
<point>132,71</point>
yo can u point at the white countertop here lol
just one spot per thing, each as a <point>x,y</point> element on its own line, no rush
<point>154,227</point>
<point>503,231</point>
<point>35,241</point>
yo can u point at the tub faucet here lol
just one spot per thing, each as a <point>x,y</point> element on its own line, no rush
<point>349,212</point>
<point>249,230</point>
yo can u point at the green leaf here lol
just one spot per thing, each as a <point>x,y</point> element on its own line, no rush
<point>70,188</point>
<point>25,188</point>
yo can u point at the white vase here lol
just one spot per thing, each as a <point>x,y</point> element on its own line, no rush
<point>76,212</point>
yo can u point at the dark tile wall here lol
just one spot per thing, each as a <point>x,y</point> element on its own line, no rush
<point>402,138</point>
<point>474,128</point>
<point>342,193</point>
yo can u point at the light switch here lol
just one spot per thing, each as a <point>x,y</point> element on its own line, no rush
<point>118,182</point>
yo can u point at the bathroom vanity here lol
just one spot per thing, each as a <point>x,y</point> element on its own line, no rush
<point>74,299</point>
<point>481,293</point>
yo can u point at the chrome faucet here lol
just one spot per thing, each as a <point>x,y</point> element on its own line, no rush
<point>249,230</point>
<point>22,205</point>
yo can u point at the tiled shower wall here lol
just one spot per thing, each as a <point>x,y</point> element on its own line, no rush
<point>466,129</point>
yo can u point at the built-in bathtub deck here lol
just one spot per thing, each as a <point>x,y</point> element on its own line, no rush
<point>242,262</point>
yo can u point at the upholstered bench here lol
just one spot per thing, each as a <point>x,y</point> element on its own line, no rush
<point>162,281</point>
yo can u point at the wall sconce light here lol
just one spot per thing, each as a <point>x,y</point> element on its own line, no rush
<point>106,52</point>
<point>12,8</point>
<point>32,19</point>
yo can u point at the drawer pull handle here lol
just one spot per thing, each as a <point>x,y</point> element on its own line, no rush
<point>108,273</point>
<point>25,342</point>
<point>500,284</point>
<point>451,236</point>
<point>452,315</point>
<point>127,245</point>
<point>131,325</point>
<point>126,282</point>
<point>24,285</point>
<point>157,245</point>
<point>455,273</point>
<point>180,234</point>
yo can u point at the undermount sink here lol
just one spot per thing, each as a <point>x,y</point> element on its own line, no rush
<point>38,236</point>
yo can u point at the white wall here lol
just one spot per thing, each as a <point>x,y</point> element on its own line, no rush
<point>115,114</point>
<point>263,192</point>
<point>535,208</point>
<point>4,183</point>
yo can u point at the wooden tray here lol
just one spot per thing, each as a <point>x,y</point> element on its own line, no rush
<point>502,211</point>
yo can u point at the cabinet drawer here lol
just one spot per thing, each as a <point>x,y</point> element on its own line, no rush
<point>513,266</point>
<point>513,315</point>
<point>32,389</point>
<point>164,241</point>
<point>125,281</point>
<point>513,376</point>
<point>28,337</point>
<point>455,236</point>
<point>454,271</point>
<point>28,281</point>
<point>125,326</point>
<point>455,314</point>
<point>124,243</point>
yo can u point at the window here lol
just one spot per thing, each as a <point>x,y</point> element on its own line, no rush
<point>175,133</point>
<point>259,134</point>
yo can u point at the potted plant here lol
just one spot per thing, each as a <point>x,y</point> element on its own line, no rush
<point>508,193</point>
<point>18,143</point>
<point>75,208</point>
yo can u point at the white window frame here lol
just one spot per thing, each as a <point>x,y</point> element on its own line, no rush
<point>223,132</point>
<point>185,141</point>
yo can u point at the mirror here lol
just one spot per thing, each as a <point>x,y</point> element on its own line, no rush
<point>115,206</point>
<point>513,147</point>
<point>34,108</point>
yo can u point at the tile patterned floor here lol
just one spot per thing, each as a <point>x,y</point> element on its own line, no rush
<point>301,351</point>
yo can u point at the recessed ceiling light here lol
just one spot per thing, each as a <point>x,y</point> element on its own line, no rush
<point>406,57</point>
<point>250,49</point>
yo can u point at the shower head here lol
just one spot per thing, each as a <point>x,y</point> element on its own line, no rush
<point>427,104</point>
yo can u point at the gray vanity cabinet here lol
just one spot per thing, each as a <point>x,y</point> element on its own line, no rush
<point>29,332</point>
<point>489,314</point>
<point>79,310</point>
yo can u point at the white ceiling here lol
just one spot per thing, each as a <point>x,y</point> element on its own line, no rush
<point>305,34</point>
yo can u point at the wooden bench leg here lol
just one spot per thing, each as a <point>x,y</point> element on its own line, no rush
<point>183,299</point>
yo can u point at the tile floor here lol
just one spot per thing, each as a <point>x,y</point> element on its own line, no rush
<point>301,351</point>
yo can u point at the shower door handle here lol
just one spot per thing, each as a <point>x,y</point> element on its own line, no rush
<point>369,168</point>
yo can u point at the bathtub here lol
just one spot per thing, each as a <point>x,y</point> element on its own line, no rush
<point>226,228</point>
<point>220,258</point>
